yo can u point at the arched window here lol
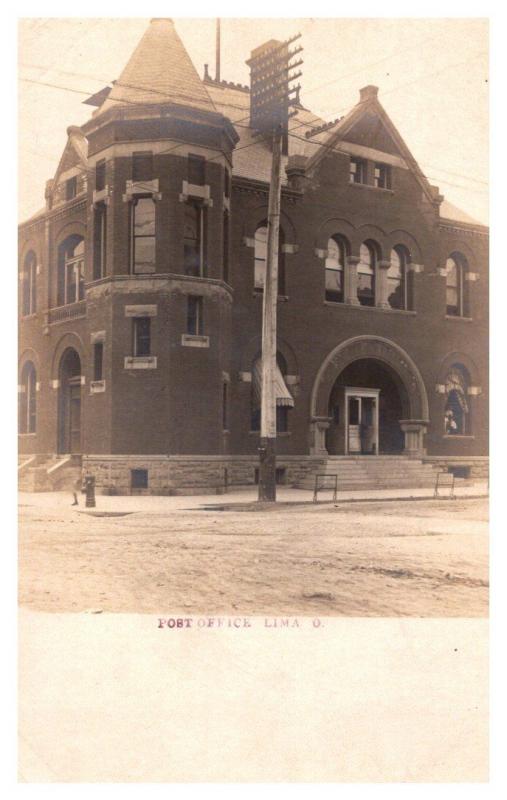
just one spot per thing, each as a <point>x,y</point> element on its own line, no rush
<point>366,274</point>
<point>335,265</point>
<point>261,253</point>
<point>29,289</point>
<point>284,399</point>
<point>456,300</point>
<point>397,279</point>
<point>457,412</point>
<point>70,270</point>
<point>143,235</point>
<point>28,399</point>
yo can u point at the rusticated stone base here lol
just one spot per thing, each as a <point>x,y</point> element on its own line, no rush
<point>478,465</point>
<point>172,475</point>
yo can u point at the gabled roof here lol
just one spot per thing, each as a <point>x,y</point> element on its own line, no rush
<point>369,106</point>
<point>75,151</point>
<point>159,71</point>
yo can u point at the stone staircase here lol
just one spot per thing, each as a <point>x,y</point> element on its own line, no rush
<point>375,472</point>
<point>48,473</point>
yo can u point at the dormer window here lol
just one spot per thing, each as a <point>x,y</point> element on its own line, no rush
<point>382,176</point>
<point>357,170</point>
<point>71,188</point>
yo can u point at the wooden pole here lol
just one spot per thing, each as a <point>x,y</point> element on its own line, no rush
<point>217,51</point>
<point>267,449</point>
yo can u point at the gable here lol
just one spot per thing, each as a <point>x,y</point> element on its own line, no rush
<point>68,160</point>
<point>370,131</point>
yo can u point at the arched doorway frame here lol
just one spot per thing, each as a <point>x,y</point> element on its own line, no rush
<point>391,354</point>
<point>69,428</point>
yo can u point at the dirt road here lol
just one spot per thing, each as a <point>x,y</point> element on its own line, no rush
<point>426,558</point>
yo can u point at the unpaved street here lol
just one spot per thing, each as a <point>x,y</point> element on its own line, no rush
<point>426,558</point>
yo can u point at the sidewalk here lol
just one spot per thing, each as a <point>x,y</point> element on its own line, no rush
<point>155,504</point>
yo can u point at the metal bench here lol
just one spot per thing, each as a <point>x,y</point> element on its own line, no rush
<point>445,480</point>
<point>320,485</point>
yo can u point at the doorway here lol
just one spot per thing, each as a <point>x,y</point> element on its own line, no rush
<point>69,423</point>
<point>361,421</point>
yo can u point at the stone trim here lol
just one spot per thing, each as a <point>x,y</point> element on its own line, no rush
<point>474,391</point>
<point>192,340</point>
<point>141,311</point>
<point>248,241</point>
<point>103,196</point>
<point>290,248</point>
<point>140,362</point>
<point>191,190</point>
<point>472,276</point>
<point>135,188</point>
<point>96,387</point>
<point>321,253</point>
<point>99,337</point>
<point>54,384</point>
<point>411,267</point>
<point>245,377</point>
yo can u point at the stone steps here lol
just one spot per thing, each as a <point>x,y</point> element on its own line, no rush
<point>374,472</point>
<point>50,473</point>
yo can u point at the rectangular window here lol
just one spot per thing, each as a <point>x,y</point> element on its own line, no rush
<point>143,235</point>
<point>382,176</point>
<point>99,243</point>
<point>138,478</point>
<point>226,247</point>
<point>71,188</point>
<point>196,170</point>
<point>357,170</point>
<point>194,243</point>
<point>225,409</point>
<point>227,183</point>
<point>98,361</point>
<point>195,322</point>
<point>100,175</point>
<point>142,336</point>
<point>142,166</point>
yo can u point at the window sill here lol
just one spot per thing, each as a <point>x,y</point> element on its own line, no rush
<point>370,186</point>
<point>278,435</point>
<point>32,315</point>
<point>96,387</point>
<point>140,362</point>
<point>194,340</point>
<point>27,434</point>
<point>457,318</point>
<point>359,307</point>
<point>458,436</point>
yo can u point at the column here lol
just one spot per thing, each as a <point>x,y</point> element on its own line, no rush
<point>351,297</point>
<point>382,285</point>
<point>318,428</point>
<point>414,430</point>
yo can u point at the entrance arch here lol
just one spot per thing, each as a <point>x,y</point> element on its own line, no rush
<point>69,402</point>
<point>401,372</point>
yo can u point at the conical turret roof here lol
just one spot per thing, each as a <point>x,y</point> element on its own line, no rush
<point>159,71</point>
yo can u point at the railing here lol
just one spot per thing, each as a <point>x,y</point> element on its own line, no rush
<point>69,311</point>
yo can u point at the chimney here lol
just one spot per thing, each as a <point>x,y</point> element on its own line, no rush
<point>368,93</point>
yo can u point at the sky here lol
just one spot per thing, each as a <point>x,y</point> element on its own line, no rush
<point>432,76</point>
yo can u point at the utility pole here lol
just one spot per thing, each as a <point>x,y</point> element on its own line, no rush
<point>270,98</point>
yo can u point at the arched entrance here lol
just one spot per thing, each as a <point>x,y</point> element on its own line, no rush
<point>69,403</point>
<point>368,398</point>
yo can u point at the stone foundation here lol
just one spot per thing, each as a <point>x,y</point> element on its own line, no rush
<point>171,475</point>
<point>478,465</point>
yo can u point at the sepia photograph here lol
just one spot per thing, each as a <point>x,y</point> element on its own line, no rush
<point>253,368</point>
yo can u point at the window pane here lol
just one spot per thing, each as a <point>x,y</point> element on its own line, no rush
<point>144,255</point>
<point>365,277</point>
<point>142,336</point>
<point>144,217</point>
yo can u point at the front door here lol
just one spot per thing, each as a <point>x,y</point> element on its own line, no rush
<point>362,422</point>
<point>70,416</point>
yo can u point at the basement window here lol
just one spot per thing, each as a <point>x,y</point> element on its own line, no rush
<point>138,478</point>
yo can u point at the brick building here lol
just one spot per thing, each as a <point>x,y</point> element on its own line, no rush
<point>141,292</point>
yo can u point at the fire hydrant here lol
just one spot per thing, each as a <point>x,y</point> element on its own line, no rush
<point>89,487</point>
